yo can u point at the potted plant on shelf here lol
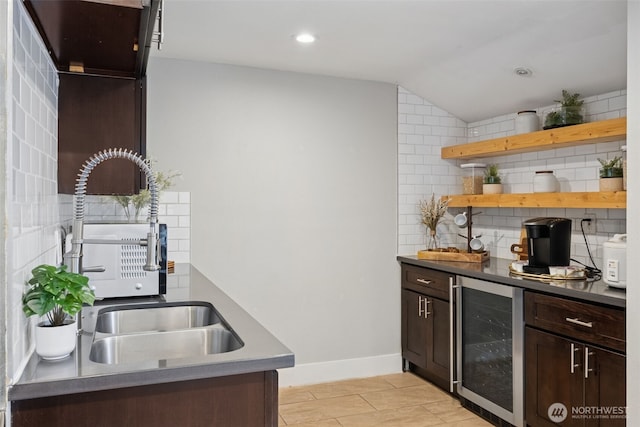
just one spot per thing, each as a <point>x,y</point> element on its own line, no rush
<point>492,182</point>
<point>611,174</point>
<point>59,295</point>
<point>570,112</point>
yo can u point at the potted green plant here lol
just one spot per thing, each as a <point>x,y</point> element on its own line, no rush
<point>570,112</point>
<point>611,174</point>
<point>57,295</point>
<point>492,181</point>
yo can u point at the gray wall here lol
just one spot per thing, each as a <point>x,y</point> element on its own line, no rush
<point>293,195</point>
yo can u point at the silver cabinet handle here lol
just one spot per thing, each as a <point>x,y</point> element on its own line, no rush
<point>574,365</point>
<point>579,322</point>
<point>423,281</point>
<point>451,336</point>
<point>587,353</point>
<point>420,311</point>
<point>426,307</point>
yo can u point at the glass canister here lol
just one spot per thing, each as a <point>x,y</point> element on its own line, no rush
<point>527,121</point>
<point>545,182</point>
<point>472,174</point>
<point>624,167</point>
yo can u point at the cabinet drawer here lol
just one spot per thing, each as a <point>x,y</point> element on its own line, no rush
<point>426,281</point>
<point>580,320</point>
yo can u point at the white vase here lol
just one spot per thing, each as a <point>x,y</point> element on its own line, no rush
<point>55,342</point>
<point>545,182</point>
<point>491,188</point>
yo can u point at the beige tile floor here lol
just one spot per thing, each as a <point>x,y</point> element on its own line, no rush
<point>399,400</point>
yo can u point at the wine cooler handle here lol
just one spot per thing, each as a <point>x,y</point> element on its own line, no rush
<point>452,328</point>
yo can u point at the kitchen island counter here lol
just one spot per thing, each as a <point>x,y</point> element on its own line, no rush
<point>261,351</point>
<point>497,270</point>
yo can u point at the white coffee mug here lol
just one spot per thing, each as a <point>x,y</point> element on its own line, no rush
<point>476,245</point>
<point>461,219</point>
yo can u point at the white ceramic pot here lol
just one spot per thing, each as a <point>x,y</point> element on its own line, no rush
<point>545,182</point>
<point>491,188</point>
<point>527,121</point>
<point>55,342</point>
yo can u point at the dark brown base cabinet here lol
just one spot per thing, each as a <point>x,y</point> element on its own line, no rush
<point>426,327</point>
<point>573,369</point>
<point>248,400</point>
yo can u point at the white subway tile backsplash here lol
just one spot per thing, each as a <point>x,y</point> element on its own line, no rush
<point>576,169</point>
<point>31,188</point>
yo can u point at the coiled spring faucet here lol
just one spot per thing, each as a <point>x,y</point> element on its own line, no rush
<point>73,258</point>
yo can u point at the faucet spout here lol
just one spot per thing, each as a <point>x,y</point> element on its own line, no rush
<point>73,258</point>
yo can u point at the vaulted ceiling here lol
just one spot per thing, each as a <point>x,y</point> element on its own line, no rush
<point>458,54</point>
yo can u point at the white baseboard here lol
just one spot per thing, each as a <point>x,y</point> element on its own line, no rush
<point>337,370</point>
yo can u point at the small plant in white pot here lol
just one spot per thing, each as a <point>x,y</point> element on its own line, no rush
<point>492,182</point>
<point>611,174</point>
<point>57,295</point>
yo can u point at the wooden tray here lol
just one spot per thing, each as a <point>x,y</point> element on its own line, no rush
<point>454,256</point>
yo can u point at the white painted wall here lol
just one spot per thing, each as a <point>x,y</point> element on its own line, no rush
<point>293,197</point>
<point>633,207</point>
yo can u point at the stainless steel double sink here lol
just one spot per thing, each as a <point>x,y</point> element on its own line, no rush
<point>160,331</point>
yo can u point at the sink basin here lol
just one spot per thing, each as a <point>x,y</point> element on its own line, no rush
<point>157,317</point>
<point>150,346</point>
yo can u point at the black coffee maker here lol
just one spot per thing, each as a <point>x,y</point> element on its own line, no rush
<point>548,243</point>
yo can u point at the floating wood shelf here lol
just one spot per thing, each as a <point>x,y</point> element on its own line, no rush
<point>601,199</point>
<point>568,136</point>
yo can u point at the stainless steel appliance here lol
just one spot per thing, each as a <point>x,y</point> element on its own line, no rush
<point>548,243</point>
<point>115,268</point>
<point>490,340</point>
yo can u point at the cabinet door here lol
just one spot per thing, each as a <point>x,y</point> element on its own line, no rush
<point>552,375</point>
<point>605,382</point>
<point>415,331</point>
<point>97,113</point>
<point>426,335</point>
<point>438,336</point>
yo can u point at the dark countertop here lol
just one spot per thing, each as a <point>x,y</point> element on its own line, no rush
<point>497,270</point>
<point>77,374</point>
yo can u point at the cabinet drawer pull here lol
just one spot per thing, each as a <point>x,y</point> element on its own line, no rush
<point>420,310</point>
<point>423,281</point>
<point>579,322</point>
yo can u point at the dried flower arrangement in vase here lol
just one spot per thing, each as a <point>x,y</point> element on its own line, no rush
<point>432,211</point>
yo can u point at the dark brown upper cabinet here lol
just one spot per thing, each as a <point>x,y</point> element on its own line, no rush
<point>103,37</point>
<point>97,113</point>
<point>101,49</point>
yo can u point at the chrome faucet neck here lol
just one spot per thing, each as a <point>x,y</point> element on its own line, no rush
<point>73,258</point>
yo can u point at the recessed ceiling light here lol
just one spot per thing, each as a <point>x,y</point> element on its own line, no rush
<point>305,38</point>
<point>523,72</point>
